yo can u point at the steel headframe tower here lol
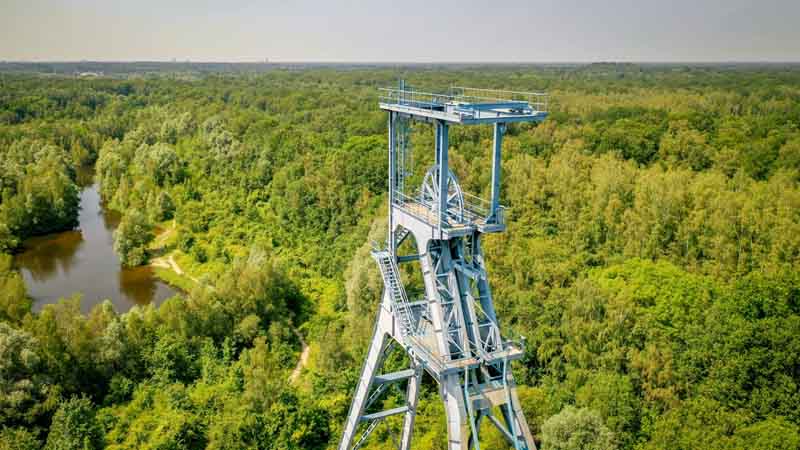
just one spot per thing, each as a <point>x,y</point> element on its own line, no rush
<point>452,331</point>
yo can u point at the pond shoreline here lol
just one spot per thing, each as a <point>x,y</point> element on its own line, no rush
<point>82,261</point>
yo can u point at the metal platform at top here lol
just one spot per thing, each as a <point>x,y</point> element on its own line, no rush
<point>464,105</point>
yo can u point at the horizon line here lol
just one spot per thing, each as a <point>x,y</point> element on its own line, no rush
<point>366,62</point>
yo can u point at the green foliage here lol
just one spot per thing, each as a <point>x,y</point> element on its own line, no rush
<point>577,429</point>
<point>157,417</point>
<point>18,439</point>
<point>158,162</point>
<point>75,427</point>
<point>38,193</point>
<point>685,146</point>
<point>132,237</point>
<point>185,242</point>
<point>771,434</point>
<point>21,386</point>
<point>614,398</point>
<point>704,423</point>
<point>164,206</point>
<point>651,256</point>
<point>632,139</point>
<point>14,303</point>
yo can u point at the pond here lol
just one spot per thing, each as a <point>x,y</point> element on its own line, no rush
<point>83,261</point>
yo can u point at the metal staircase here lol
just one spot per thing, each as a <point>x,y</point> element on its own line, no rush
<point>401,307</point>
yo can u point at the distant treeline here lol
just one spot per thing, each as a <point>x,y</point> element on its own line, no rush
<point>209,68</point>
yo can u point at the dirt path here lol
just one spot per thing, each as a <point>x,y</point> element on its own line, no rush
<point>161,238</point>
<point>169,263</point>
<point>304,355</point>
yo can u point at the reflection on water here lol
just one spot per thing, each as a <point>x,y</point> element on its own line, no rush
<point>45,256</point>
<point>137,284</point>
<point>83,261</point>
<point>84,176</point>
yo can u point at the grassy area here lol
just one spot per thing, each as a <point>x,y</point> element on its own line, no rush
<point>173,279</point>
<point>163,250</point>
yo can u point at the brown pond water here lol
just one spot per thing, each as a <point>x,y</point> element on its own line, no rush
<point>83,261</point>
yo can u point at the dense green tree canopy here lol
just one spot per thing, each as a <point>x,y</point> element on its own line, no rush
<point>652,255</point>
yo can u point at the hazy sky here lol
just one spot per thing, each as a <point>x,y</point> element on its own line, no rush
<point>411,30</point>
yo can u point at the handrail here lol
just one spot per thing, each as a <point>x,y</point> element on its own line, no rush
<point>475,208</point>
<point>400,303</point>
<point>537,99</point>
<point>463,97</point>
<point>503,91</point>
<point>440,364</point>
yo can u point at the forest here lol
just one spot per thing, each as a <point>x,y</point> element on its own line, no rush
<point>652,257</point>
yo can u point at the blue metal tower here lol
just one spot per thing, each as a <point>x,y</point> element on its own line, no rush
<point>451,332</point>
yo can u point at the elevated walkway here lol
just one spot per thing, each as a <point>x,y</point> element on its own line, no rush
<point>416,214</point>
<point>464,105</point>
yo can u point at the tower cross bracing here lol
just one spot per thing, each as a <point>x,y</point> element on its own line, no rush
<point>451,332</point>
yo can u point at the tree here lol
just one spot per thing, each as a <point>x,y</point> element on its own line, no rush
<point>75,427</point>
<point>632,139</point>
<point>131,238</point>
<point>20,384</point>
<point>770,434</point>
<point>14,302</point>
<point>18,439</point>
<point>165,207</point>
<point>577,429</point>
<point>159,161</point>
<point>38,193</point>
<point>110,167</point>
<point>789,157</point>
<point>612,396</point>
<point>684,146</point>
<point>8,241</point>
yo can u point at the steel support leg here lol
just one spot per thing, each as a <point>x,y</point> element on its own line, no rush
<point>373,362</point>
<point>392,178</point>
<point>444,173</point>
<point>499,130</point>
<point>457,426</point>
<point>412,398</point>
<point>521,424</point>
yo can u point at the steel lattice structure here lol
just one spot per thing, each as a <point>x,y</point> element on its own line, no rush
<point>452,332</point>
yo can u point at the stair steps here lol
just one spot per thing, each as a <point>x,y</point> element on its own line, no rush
<point>391,280</point>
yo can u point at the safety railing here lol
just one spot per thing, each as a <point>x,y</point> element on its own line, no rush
<point>476,205</point>
<point>490,347</point>
<point>414,98</point>
<point>397,293</point>
<point>537,100</point>
<point>475,210</point>
<point>477,353</point>
<point>465,98</point>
